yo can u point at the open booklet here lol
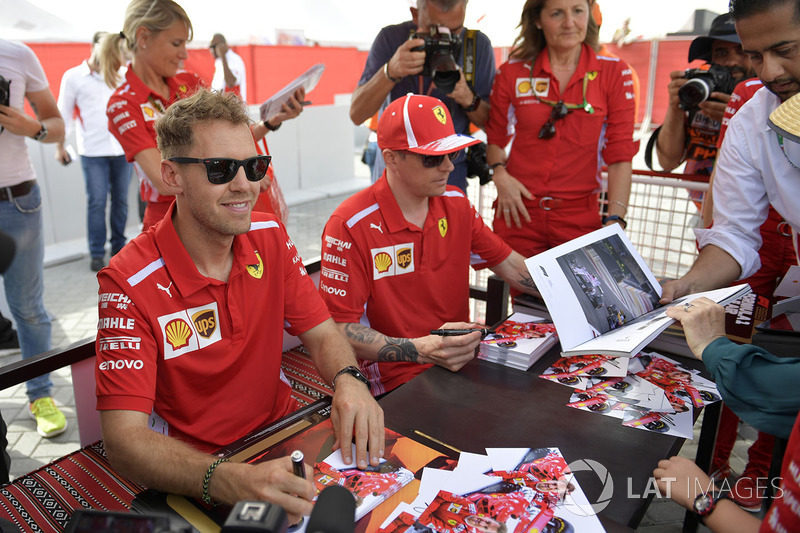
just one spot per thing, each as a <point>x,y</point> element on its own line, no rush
<point>307,80</point>
<point>602,297</point>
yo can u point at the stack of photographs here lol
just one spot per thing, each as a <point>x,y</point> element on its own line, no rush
<point>519,341</point>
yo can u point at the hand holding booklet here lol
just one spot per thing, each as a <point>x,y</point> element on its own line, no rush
<point>307,80</point>
<point>602,297</point>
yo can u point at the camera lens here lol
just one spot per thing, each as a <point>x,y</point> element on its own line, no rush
<point>693,92</point>
<point>444,70</point>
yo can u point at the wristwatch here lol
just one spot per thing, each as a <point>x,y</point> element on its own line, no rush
<point>705,503</point>
<point>270,127</point>
<point>41,134</point>
<point>353,371</point>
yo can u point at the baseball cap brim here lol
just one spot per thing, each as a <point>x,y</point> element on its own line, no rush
<point>453,143</point>
<point>701,46</point>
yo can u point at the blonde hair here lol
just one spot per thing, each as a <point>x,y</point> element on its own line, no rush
<point>531,39</point>
<point>175,129</point>
<point>155,15</point>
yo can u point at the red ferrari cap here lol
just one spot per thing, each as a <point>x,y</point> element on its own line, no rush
<point>420,124</point>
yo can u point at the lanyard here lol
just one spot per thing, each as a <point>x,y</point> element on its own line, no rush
<point>586,106</point>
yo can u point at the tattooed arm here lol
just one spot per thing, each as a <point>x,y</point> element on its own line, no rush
<point>515,273</point>
<point>451,353</point>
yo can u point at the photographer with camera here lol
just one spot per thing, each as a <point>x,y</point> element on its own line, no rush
<point>697,100</point>
<point>432,54</point>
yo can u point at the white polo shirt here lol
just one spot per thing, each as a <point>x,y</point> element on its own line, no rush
<point>82,100</point>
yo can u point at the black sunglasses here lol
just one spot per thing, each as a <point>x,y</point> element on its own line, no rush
<point>548,130</point>
<point>222,170</point>
<point>433,161</point>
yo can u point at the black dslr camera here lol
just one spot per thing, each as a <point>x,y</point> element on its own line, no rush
<point>441,49</point>
<point>702,82</point>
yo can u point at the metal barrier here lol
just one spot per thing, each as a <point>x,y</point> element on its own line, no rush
<point>661,216</point>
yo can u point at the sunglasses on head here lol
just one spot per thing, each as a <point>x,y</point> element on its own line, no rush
<point>222,170</point>
<point>433,161</point>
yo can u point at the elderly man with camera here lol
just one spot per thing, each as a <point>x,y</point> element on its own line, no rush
<point>697,100</point>
<point>431,54</point>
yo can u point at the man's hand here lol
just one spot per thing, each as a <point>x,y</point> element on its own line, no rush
<point>221,49</point>
<point>451,353</point>
<point>406,62</point>
<point>62,156</point>
<point>509,198</point>
<point>271,481</point>
<point>715,109</point>
<point>702,323</point>
<point>673,289</point>
<point>682,480</point>
<point>291,109</point>
<point>357,417</point>
<point>462,94</point>
<point>18,122</point>
<point>677,80</point>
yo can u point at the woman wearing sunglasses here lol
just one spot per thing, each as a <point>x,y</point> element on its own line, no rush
<point>565,107</point>
<point>155,34</point>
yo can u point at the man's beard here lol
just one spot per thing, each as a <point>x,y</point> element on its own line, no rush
<point>785,95</point>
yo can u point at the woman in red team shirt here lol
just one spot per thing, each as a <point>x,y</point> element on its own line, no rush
<point>155,33</point>
<point>565,107</point>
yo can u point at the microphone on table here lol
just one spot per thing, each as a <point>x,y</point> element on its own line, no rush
<point>334,512</point>
<point>7,249</point>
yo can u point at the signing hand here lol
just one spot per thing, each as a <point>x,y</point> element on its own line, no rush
<point>451,353</point>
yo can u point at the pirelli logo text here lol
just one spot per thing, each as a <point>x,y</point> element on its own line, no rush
<point>392,260</point>
<point>107,344</point>
<point>190,330</point>
<point>335,275</point>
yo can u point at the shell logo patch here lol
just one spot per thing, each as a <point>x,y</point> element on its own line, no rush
<point>383,262</point>
<point>392,260</point>
<point>149,112</point>
<point>442,226</point>
<point>440,115</point>
<point>190,330</point>
<point>523,86</point>
<point>256,270</point>
<point>178,333</point>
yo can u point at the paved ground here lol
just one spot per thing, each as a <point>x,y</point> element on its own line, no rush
<point>71,297</point>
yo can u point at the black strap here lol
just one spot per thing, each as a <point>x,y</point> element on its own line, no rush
<point>648,151</point>
<point>470,56</point>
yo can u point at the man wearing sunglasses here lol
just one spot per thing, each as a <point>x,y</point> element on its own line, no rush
<point>396,256</point>
<point>191,323</point>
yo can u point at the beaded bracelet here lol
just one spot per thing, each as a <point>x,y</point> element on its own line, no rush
<point>207,479</point>
<point>625,207</point>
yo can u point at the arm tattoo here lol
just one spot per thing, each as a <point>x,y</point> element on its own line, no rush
<point>360,333</point>
<point>527,280</point>
<point>398,349</point>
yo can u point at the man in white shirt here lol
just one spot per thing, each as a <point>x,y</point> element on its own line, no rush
<point>229,72</point>
<point>755,166</point>
<point>84,96</point>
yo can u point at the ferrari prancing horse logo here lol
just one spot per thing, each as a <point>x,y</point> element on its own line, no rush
<point>441,116</point>
<point>443,226</point>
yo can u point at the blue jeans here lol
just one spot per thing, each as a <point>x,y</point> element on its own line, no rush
<point>101,175</point>
<point>21,218</point>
